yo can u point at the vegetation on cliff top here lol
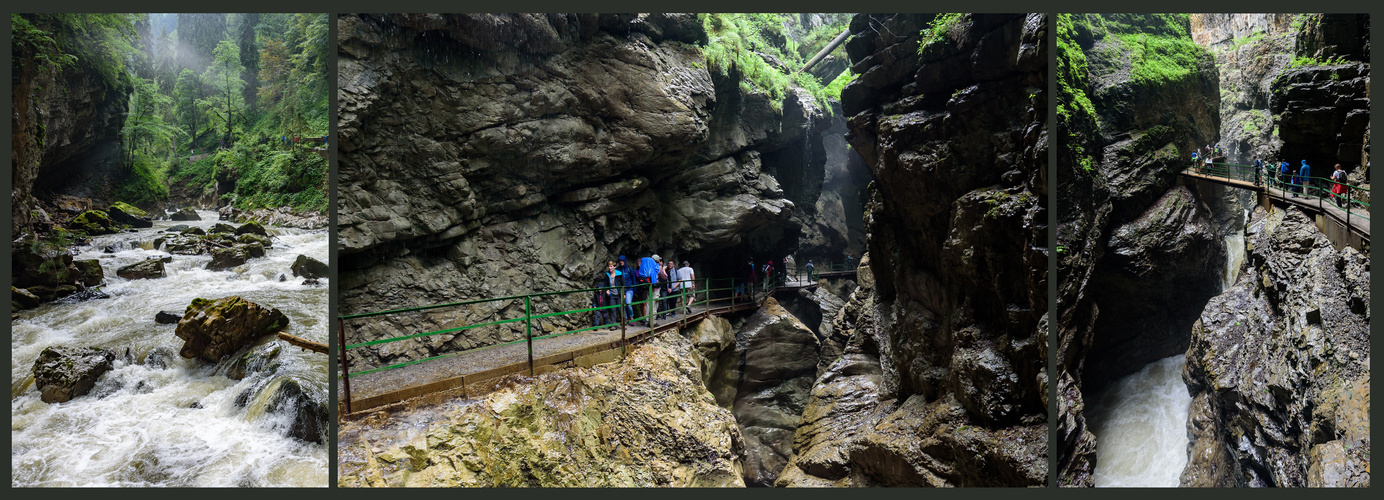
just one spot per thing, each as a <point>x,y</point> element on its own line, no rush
<point>746,43</point>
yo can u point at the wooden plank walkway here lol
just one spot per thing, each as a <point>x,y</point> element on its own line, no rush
<point>1358,220</point>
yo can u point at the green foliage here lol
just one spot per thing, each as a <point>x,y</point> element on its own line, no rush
<point>942,25</point>
<point>103,42</point>
<point>269,178</point>
<point>1161,60</point>
<point>735,43</point>
<point>222,77</point>
<point>1302,61</point>
<point>144,125</point>
<point>144,183</point>
<point>833,91</point>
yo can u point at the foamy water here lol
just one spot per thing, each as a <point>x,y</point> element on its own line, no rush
<point>1140,424</point>
<point>175,426</point>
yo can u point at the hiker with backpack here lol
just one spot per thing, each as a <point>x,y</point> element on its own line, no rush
<point>1338,187</point>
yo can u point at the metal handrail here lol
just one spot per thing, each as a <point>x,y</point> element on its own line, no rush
<point>1311,189</point>
<point>702,288</point>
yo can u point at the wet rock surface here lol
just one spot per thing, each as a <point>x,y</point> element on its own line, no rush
<point>309,267</point>
<point>309,417</point>
<point>774,367</point>
<point>64,372</point>
<point>185,214</point>
<point>149,269</point>
<point>645,421</point>
<point>630,145</point>
<point>1279,365</point>
<point>1124,139</point>
<point>216,328</point>
<point>898,406</point>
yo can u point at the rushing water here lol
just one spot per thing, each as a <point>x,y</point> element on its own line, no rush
<point>1140,424</point>
<point>177,426</point>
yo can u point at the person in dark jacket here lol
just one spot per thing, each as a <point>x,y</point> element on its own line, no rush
<point>1305,178</point>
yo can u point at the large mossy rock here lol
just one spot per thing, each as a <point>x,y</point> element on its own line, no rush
<point>62,373</point>
<point>93,223</point>
<point>129,215</point>
<point>252,227</point>
<point>149,269</point>
<point>23,299</point>
<point>309,267</point>
<point>217,328</point>
<point>185,214</point>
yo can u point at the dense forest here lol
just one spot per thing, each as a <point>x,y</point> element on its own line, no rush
<point>221,109</point>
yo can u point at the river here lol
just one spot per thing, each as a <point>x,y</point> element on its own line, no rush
<point>1140,424</point>
<point>179,425</point>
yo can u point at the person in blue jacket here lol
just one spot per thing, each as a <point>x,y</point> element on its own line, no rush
<point>1305,177</point>
<point>1283,175</point>
<point>645,276</point>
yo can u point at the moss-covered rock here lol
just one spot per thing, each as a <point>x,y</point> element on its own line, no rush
<point>255,239</point>
<point>252,227</point>
<point>129,215</point>
<point>149,269</point>
<point>216,328</point>
<point>22,299</point>
<point>93,223</point>
<point>222,227</point>
<point>185,214</point>
<point>193,231</point>
<point>89,272</point>
<point>226,258</point>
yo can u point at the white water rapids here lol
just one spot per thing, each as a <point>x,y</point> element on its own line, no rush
<point>175,426</point>
<point>1140,424</point>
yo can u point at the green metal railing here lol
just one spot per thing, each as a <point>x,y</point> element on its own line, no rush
<point>1311,187</point>
<point>708,293</point>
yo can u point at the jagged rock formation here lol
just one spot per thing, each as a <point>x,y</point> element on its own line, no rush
<point>942,380</point>
<point>1279,365</point>
<point>1125,236</point>
<point>644,421</point>
<point>492,155</point>
<point>1251,51</point>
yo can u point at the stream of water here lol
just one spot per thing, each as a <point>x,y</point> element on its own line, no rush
<point>1140,424</point>
<point>174,426</point>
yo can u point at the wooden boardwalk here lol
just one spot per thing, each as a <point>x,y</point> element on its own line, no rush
<point>373,391</point>
<point>1358,219</point>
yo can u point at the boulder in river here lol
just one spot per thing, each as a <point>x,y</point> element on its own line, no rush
<point>217,328</point>
<point>252,227</point>
<point>176,228</point>
<point>62,373</point>
<point>309,417</point>
<point>309,267</point>
<point>226,258</point>
<point>222,227</point>
<point>167,318</point>
<point>93,223</point>
<point>255,239</point>
<point>185,214</point>
<point>129,215</point>
<point>149,269</point>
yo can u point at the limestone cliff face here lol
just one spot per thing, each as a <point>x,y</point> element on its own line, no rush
<point>488,155</point>
<point>1294,86</point>
<point>1279,365</point>
<point>941,380</point>
<point>1127,237</point>
<point>66,120</point>
<point>1251,51</point>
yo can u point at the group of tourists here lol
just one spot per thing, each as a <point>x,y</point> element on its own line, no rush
<point>672,288</point>
<point>1299,180</point>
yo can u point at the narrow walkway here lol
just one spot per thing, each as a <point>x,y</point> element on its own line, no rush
<point>374,390</point>
<point>1358,219</point>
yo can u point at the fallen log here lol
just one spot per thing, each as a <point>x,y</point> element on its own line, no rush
<point>304,343</point>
